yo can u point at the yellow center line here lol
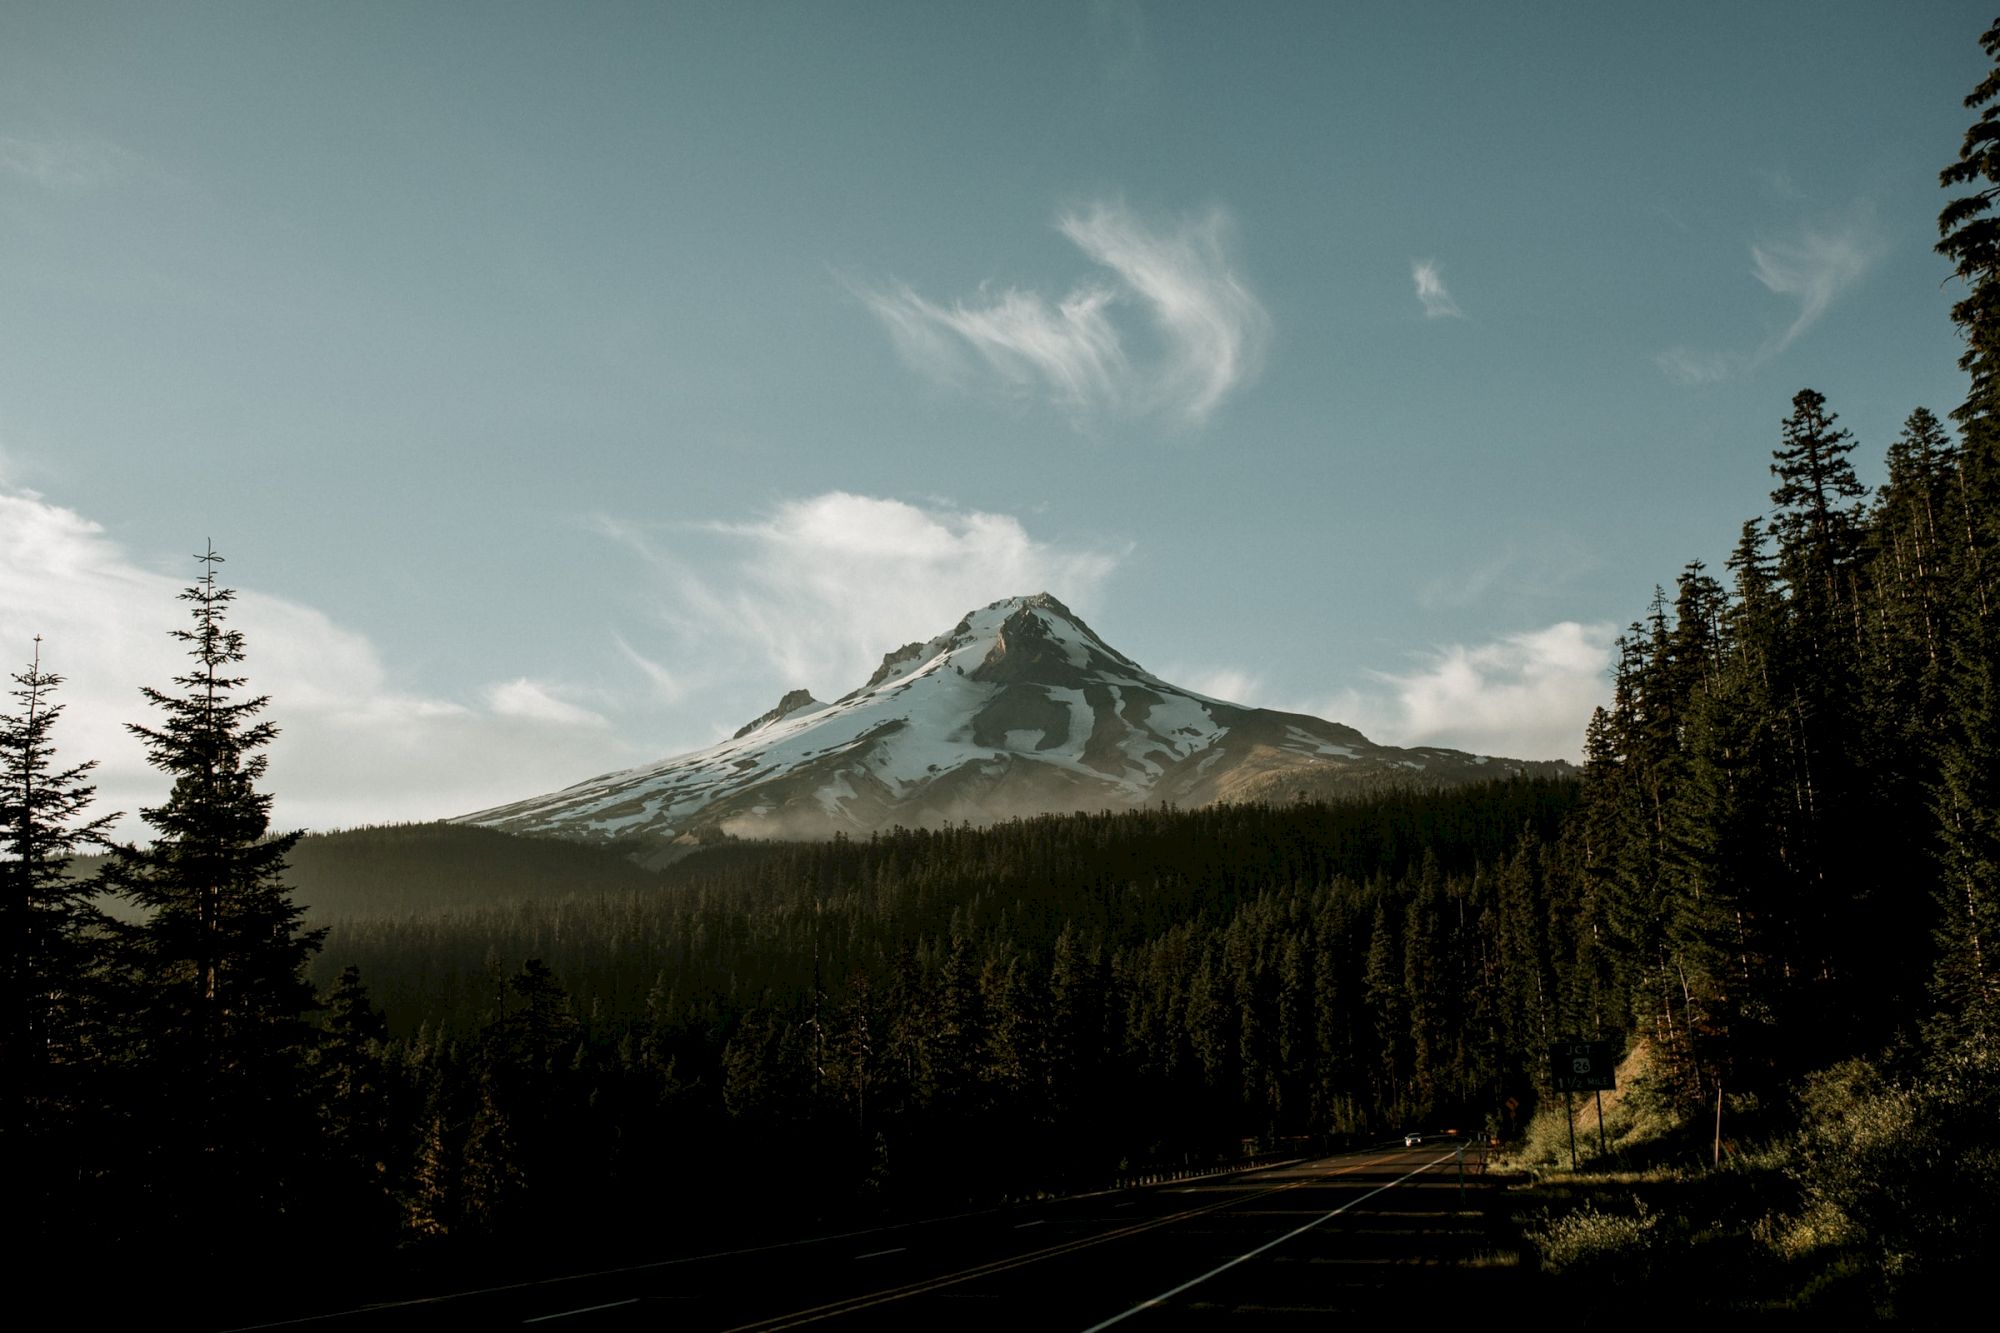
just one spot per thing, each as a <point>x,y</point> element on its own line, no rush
<point>852,1303</point>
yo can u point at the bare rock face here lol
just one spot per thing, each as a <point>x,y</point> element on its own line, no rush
<point>1018,709</point>
<point>900,657</point>
<point>794,701</point>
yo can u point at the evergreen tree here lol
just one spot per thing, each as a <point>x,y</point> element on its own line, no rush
<point>48,919</point>
<point>1382,989</point>
<point>1971,240</point>
<point>1912,562</point>
<point>50,946</point>
<point>1915,569</point>
<point>219,993</point>
<point>1967,980</point>
<point>1818,520</point>
<point>1849,890</point>
<point>358,1113</point>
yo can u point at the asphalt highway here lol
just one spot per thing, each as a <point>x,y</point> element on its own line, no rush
<point>1363,1232</point>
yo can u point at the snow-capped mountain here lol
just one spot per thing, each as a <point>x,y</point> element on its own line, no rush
<point>1020,708</point>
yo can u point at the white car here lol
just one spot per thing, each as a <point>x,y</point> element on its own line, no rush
<point>1412,1140</point>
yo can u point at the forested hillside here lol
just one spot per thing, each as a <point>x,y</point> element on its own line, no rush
<point>1079,995</point>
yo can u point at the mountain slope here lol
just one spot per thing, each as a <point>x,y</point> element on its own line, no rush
<point>1018,709</point>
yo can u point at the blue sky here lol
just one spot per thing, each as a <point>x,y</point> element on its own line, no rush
<point>564,382</point>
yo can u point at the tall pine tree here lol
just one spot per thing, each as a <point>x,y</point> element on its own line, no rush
<point>1967,981</point>
<point>51,943</point>
<point>219,993</point>
<point>48,949</point>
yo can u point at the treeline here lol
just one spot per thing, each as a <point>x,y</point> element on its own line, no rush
<point>428,867</point>
<point>1790,824</point>
<point>723,921</point>
<point>1784,858</point>
<point>1791,817</point>
<point>933,1017</point>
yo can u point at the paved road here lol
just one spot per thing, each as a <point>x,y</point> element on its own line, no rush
<point>1358,1232</point>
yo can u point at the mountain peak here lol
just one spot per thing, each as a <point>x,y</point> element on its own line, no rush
<point>1019,708</point>
<point>1038,601</point>
<point>1038,638</point>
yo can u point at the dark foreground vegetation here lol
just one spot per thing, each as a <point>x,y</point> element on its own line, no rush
<point>1777,885</point>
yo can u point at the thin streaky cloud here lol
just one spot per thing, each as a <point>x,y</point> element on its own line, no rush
<point>1072,350</point>
<point>1543,569</point>
<point>1131,70</point>
<point>1811,269</point>
<point>668,686</point>
<point>65,164</point>
<point>1069,348</point>
<point>1686,365</point>
<point>538,702</point>
<point>1437,302</point>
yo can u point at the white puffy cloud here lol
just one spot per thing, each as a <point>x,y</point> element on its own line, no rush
<point>819,588</point>
<point>1437,302</point>
<point>1523,696</point>
<point>352,747</point>
<point>1210,328</point>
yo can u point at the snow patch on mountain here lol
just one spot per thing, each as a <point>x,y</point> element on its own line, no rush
<point>1019,707</point>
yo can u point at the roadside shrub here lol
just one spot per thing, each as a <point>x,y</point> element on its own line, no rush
<point>1904,1174</point>
<point>1613,1249</point>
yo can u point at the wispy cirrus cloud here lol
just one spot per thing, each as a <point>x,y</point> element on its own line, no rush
<point>668,686</point>
<point>817,589</point>
<point>1437,302</point>
<point>1210,328</point>
<point>1686,365</point>
<point>72,163</point>
<point>1811,269</point>
<point>537,701</point>
<point>1538,570</point>
<point>1525,696</point>
<point>1131,70</point>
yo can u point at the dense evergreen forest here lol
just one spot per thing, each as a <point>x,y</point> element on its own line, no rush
<point>1777,880</point>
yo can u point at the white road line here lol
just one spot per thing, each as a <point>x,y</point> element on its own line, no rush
<point>1166,1296</point>
<point>799,1243</point>
<point>877,1254</point>
<point>608,1305</point>
<point>1021,1226</point>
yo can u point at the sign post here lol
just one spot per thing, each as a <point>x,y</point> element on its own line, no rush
<point>1582,1066</point>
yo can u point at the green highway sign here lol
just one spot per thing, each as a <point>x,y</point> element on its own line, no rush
<point>1582,1066</point>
